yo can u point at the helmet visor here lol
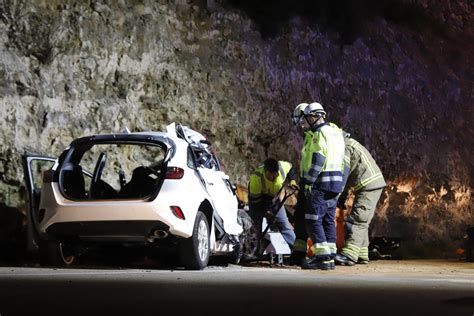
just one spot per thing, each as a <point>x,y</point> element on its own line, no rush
<point>297,118</point>
<point>298,113</point>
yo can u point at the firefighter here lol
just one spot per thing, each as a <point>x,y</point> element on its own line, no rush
<point>265,182</point>
<point>298,253</point>
<point>322,159</point>
<point>362,174</point>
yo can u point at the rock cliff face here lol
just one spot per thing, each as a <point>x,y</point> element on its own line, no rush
<point>404,90</point>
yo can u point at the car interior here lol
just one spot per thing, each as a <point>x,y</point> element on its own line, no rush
<point>141,184</point>
<point>73,183</point>
<point>109,178</point>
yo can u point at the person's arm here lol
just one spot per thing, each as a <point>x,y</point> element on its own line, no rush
<point>255,190</point>
<point>341,201</point>
<point>317,161</point>
<point>291,178</point>
<point>291,175</point>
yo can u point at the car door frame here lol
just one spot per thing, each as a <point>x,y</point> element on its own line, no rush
<point>222,195</point>
<point>33,197</point>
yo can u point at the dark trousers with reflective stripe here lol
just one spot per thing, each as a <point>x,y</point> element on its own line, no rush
<point>300,224</point>
<point>320,218</point>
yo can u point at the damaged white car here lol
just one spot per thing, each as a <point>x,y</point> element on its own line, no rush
<point>156,190</point>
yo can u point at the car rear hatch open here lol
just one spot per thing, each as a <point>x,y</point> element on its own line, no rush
<point>114,166</point>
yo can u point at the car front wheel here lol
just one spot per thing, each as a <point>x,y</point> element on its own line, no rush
<point>249,238</point>
<point>195,250</point>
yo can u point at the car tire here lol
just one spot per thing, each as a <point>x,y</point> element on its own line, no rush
<point>195,250</point>
<point>55,253</point>
<point>249,237</point>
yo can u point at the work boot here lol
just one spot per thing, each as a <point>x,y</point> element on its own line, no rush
<point>343,260</point>
<point>314,263</point>
<point>362,261</point>
<point>296,258</point>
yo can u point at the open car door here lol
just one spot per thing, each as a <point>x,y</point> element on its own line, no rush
<point>33,168</point>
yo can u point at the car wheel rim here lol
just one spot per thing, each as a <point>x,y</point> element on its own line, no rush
<point>203,240</point>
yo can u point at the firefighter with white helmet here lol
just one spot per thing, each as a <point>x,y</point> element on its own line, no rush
<point>299,112</point>
<point>322,159</point>
<point>315,108</point>
<point>298,252</point>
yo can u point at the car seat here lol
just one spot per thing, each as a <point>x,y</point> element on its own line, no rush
<point>140,185</point>
<point>73,183</point>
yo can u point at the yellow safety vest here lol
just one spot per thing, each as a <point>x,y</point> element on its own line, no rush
<point>259,185</point>
<point>322,158</point>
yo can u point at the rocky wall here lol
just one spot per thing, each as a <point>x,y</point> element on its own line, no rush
<point>73,68</point>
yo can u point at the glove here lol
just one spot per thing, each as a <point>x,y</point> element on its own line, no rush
<point>294,185</point>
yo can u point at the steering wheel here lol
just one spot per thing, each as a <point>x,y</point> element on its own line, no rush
<point>99,167</point>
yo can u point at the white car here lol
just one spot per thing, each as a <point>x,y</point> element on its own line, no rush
<point>160,190</point>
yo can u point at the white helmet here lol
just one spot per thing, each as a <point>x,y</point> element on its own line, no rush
<point>298,112</point>
<point>315,109</point>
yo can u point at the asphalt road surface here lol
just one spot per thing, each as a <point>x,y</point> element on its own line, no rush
<point>381,288</point>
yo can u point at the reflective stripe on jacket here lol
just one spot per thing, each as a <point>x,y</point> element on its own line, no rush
<point>322,158</point>
<point>364,173</point>
<point>259,185</point>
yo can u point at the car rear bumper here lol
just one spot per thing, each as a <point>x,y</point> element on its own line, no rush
<point>60,212</point>
<point>126,231</point>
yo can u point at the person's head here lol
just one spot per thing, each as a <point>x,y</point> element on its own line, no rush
<point>298,113</point>
<point>314,114</point>
<point>270,166</point>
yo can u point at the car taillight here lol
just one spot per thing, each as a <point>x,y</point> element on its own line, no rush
<point>177,212</point>
<point>174,173</point>
<point>48,176</point>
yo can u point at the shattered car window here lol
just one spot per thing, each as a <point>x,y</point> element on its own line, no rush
<point>205,158</point>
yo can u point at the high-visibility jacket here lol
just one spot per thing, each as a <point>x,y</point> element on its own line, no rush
<point>362,172</point>
<point>261,188</point>
<point>322,158</point>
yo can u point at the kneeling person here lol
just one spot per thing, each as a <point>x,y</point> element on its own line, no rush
<point>265,182</point>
